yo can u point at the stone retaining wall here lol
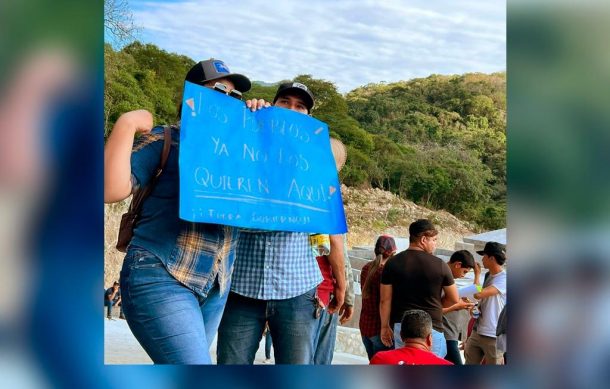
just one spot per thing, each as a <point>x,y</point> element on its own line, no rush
<point>349,341</point>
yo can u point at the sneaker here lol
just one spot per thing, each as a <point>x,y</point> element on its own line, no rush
<point>122,317</point>
<point>267,361</point>
<point>109,317</point>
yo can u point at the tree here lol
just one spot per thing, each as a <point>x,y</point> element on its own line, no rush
<point>439,141</point>
<point>142,76</point>
<point>118,21</point>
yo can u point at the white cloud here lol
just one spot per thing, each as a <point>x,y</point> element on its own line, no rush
<point>348,42</point>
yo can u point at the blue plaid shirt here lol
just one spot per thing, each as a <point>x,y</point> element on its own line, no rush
<point>274,265</point>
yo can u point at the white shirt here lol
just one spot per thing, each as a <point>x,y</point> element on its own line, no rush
<point>492,306</point>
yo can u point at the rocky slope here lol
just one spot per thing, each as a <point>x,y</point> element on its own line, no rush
<point>369,212</point>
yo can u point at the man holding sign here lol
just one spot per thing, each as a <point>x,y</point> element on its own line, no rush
<point>275,280</point>
<point>176,273</point>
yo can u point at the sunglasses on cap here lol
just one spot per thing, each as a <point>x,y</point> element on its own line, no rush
<point>222,88</point>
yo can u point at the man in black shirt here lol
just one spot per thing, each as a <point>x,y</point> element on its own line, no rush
<point>416,279</point>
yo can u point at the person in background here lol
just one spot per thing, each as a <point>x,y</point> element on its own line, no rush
<point>325,333</point>
<point>416,335</point>
<point>370,277</point>
<point>112,297</point>
<point>482,342</point>
<point>268,344</point>
<point>416,279</point>
<point>455,317</point>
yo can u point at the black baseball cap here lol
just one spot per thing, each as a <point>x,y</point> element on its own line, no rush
<point>214,69</point>
<point>298,89</point>
<point>494,249</point>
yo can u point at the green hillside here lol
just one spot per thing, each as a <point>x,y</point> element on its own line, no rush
<point>439,141</point>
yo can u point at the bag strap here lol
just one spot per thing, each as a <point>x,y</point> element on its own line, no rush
<point>141,194</point>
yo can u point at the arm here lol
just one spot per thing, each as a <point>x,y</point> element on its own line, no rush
<point>117,153</point>
<point>462,304</point>
<point>451,296</point>
<point>385,307</point>
<point>337,264</point>
<point>486,292</point>
<point>346,312</point>
<point>111,296</point>
<point>477,274</point>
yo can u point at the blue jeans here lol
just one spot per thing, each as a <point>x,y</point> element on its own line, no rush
<point>291,322</point>
<point>453,352</point>
<point>171,322</point>
<point>325,335</point>
<point>373,345</point>
<point>109,304</point>
<point>439,345</point>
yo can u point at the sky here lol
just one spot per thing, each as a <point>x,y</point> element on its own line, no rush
<point>351,43</point>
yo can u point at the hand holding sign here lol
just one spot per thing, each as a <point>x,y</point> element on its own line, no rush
<point>270,169</point>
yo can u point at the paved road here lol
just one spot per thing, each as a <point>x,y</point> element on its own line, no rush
<point>120,347</point>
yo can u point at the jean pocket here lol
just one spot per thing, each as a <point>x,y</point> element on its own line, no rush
<point>308,302</point>
<point>311,295</point>
<point>143,259</point>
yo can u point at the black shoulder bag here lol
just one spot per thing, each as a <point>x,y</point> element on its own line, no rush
<point>130,218</point>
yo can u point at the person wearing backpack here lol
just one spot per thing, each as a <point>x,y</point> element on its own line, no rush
<point>175,275</point>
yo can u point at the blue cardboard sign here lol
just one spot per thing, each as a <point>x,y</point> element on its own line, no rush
<point>272,169</point>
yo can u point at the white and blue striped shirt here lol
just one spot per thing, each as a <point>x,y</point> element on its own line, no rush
<point>274,265</point>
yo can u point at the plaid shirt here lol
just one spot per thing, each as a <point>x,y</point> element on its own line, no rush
<point>196,254</point>
<point>370,321</point>
<point>274,265</point>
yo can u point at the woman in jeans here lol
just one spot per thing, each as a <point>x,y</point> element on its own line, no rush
<point>176,274</point>
<point>370,322</point>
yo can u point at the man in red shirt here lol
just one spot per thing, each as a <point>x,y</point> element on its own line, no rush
<point>416,334</point>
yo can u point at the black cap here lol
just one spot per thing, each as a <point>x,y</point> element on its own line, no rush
<point>298,89</point>
<point>214,69</point>
<point>494,249</point>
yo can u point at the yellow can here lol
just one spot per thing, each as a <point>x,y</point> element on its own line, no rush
<point>320,244</point>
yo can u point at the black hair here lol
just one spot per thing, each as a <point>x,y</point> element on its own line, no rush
<point>415,323</point>
<point>500,258</point>
<point>464,257</point>
<point>421,227</point>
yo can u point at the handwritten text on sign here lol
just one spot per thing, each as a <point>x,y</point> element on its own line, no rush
<point>270,169</point>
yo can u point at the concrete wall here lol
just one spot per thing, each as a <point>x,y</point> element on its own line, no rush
<point>349,341</point>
